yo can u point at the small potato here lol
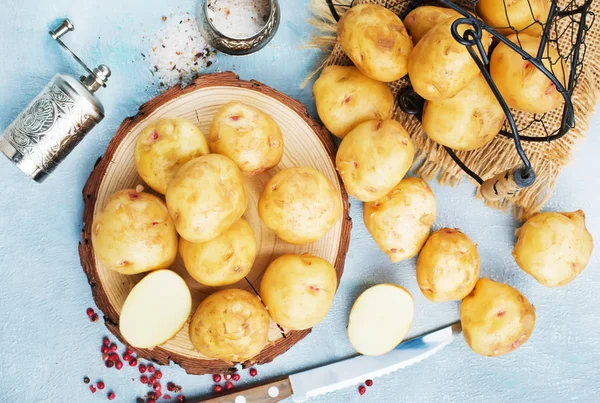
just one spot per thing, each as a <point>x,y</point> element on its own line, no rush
<point>521,84</point>
<point>298,290</point>
<point>300,205</point>
<point>554,247</point>
<point>230,325</point>
<point>467,121</point>
<point>400,222</point>
<point>163,147</point>
<point>496,318</point>
<point>375,39</point>
<point>345,97</point>
<point>134,233</point>
<point>420,20</point>
<point>521,15</point>
<point>448,266</point>
<point>206,197</point>
<point>224,260</point>
<point>373,158</point>
<point>247,135</point>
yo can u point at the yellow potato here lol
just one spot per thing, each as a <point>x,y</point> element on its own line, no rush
<point>420,20</point>
<point>467,121</point>
<point>522,15</point>
<point>521,84</point>
<point>247,135</point>
<point>206,197</point>
<point>448,266</point>
<point>298,290</point>
<point>496,318</point>
<point>373,158</point>
<point>134,233</point>
<point>230,325</point>
<point>163,147</point>
<point>345,97</point>
<point>224,260</point>
<point>554,247</point>
<point>400,221</point>
<point>300,205</point>
<point>375,39</point>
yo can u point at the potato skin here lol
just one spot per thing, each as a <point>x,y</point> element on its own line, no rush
<point>373,158</point>
<point>163,147</point>
<point>448,266</point>
<point>298,290</point>
<point>496,318</point>
<point>376,41</point>
<point>224,260</point>
<point>345,97</point>
<point>134,233</point>
<point>206,197</point>
<point>420,20</point>
<point>400,221</point>
<point>248,136</point>
<point>554,247</point>
<point>521,14</point>
<point>230,325</point>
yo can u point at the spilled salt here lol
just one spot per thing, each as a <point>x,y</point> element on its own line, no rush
<point>238,19</point>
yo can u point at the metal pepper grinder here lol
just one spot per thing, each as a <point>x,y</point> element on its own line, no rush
<point>57,119</point>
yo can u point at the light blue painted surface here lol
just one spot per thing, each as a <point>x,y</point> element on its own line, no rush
<point>47,344</point>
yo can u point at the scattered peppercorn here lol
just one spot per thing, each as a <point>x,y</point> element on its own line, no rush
<point>111,396</point>
<point>90,312</point>
<point>158,374</point>
<point>133,362</point>
<point>86,380</point>
<point>144,379</point>
<point>119,365</point>
<point>105,341</point>
<point>142,368</point>
<point>253,372</point>
<point>217,388</point>
<point>109,364</point>
<point>362,390</point>
<point>369,382</point>
<point>236,377</point>
<point>170,386</point>
<point>216,378</point>
<point>180,398</point>
<point>151,368</point>
<point>228,385</point>
<point>227,377</point>
<point>100,385</point>
<point>94,318</point>
<point>113,347</point>
<point>92,389</point>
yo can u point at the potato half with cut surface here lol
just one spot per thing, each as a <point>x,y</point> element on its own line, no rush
<point>376,41</point>
<point>163,147</point>
<point>420,20</point>
<point>134,233</point>
<point>230,325</point>
<point>554,247</point>
<point>400,221</point>
<point>496,318</point>
<point>345,97</point>
<point>380,319</point>
<point>525,16</point>
<point>155,309</point>
<point>206,197</point>
<point>373,158</point>
<point>298,290</point>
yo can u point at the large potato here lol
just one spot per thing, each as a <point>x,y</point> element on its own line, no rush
<point>401,220</point>
<point>448,266</point>
<point>420,20</point>
<point>206,197</point>
<point>375,39</point>
<point>373,158</point>
<point>298,290</point>
<point>467,121</point>
<point>163,147</point>
<point>554,247</point>
<point>508,16</point>
<point>300,205</point>
<point>134,233</point>
<point>496,318</point>
<point>247,135</point>
<point>230,325</point>
<point>345,97</point>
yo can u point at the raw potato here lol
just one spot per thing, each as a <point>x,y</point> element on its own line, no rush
<point>247,135</point>
<point>375,39</point>
<point>420,20</point>
<point>400,222</point>
<point>554,247</point>
<point>163,147</point>
<point>380,319</point>
<point>345,97</point>
<point>373,158</point>
<point>521,84</point>
<point>155,310</point>
<point>230,325</point>
<point>522,15</point>
<point>496,318</point>
<point>206,197</point>
<point>298,290</point>
<point>134,233</point>
<point>224,260</point>
<point>467,121</point>
<point>448,266</point>
<point>300,205</point>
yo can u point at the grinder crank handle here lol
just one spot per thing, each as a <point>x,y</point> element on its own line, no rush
<point>506,184</point>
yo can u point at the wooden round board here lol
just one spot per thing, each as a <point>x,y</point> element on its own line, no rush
<point>306,144</point>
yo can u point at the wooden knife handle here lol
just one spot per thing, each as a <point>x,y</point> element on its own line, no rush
<point>266,393</point>
<point>506,184</point>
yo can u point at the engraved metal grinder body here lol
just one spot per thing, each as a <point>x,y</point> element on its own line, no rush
<point>57,119</point>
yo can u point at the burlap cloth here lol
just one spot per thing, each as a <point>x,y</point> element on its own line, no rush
<point>547,158</point>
